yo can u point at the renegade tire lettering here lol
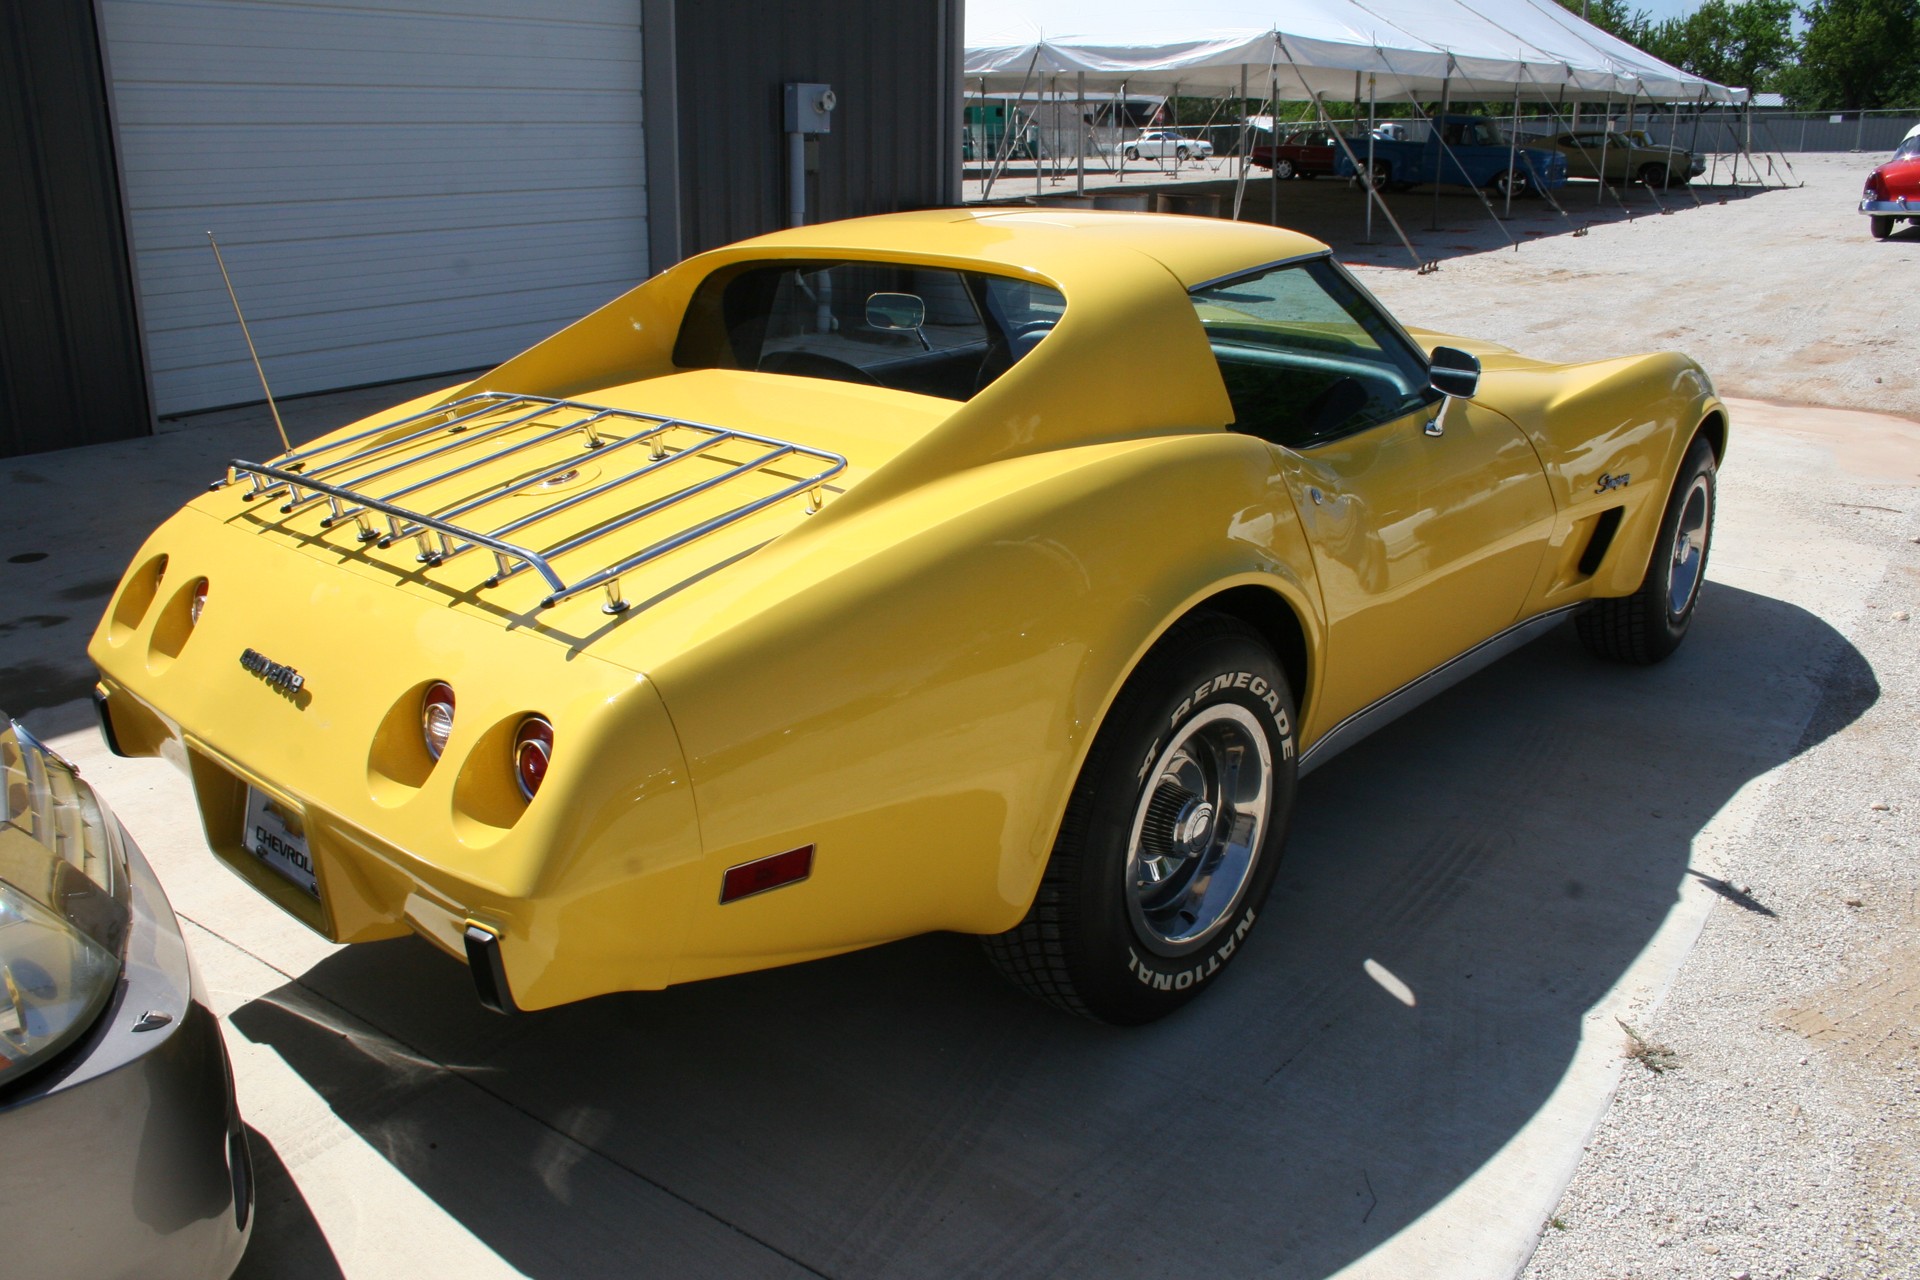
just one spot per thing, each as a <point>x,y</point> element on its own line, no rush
<point>1253,684</point>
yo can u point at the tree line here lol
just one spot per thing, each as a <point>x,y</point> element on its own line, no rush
<point>1830,55</point>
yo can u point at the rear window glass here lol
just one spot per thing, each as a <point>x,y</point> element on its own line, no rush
<point>927,330</point>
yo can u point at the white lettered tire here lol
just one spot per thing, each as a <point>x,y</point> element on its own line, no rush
<point>1172,836</point>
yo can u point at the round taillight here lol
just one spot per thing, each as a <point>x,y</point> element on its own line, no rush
<point>199,601</point>
<point>436,717</point>
<point>532,750</point>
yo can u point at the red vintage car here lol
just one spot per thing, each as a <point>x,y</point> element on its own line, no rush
<point>1304,153</point>
<point>1893,190</point>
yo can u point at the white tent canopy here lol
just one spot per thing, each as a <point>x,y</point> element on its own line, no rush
<point>1489,49</point>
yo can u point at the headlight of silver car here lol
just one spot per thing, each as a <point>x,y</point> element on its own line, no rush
<point>64,905</point>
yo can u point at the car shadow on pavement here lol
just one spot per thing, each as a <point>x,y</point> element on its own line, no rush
<point>1501,856</point>
<point>287,1244</point>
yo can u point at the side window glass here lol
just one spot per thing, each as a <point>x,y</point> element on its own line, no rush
<point>1307,357</point>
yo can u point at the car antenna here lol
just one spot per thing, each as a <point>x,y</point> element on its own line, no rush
<point>279,426</point>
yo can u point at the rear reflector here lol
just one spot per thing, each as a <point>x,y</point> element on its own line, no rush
<point>759,876</point>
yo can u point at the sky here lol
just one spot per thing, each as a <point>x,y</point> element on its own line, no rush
<point>1664,9</point>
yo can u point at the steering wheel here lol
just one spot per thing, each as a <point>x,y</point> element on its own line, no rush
<point>808,364</point>
<point>1025,336</point>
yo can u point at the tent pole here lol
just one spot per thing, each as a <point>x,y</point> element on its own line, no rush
<point>1605,137</point>
<point>1373,196</point>
<point>1525,156</point>
<point>1513,151</point>
<point>1653,195</point>
<point>1693,143</point>
<point>1439,125</point>
<point>1673,143</point>
<point>1120,134</point>
<point>1273,171</point>
<point>1372,124</point>
<point>1561,124</point>
<point>1777,149</point>
<point>1039,139</point>
<point>1080,133</point>
<point>1246,155</point>
<point>1171,120</point>
<point>1446,153</point>
<point>1006,134</point>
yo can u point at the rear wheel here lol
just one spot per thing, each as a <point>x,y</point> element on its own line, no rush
<point>1880,227</point>
<point>1172,836</point>
<point>1511,183</point>
<point>1382,176</point>
<point>1180,154</point>
<point>1648,625</point>
<point>1283,168</point>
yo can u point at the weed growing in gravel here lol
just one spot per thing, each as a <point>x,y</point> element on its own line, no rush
<point>1654,1057</point>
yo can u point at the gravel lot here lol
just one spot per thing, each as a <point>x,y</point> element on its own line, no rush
<point>1781,294</point>
<point>1782,1135</point>
<point>1785,1138</point>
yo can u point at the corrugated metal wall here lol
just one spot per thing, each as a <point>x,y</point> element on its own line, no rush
<point>896,132</point>
<point>70,370</point>
<point>398,191</point>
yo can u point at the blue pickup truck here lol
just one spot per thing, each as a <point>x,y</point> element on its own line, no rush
<point>1477,154</point>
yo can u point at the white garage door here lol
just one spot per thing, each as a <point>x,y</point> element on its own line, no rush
<point>400,189</point>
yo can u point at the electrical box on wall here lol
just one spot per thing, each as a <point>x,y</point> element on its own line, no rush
<point>809,108</point>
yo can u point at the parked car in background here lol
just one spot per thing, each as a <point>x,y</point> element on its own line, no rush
<point>124,1155</point>
<point>1476,154</point>
<point>1304,153</point>
<point>1628,155</point>
<point>1892,192</point>
<point>1158,144</point>
<point>990,571</point>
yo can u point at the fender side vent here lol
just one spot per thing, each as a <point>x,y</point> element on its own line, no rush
<point>1603,530</point>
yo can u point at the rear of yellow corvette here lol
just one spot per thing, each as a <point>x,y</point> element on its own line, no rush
<point>721,554</point>
<point>615,669</point>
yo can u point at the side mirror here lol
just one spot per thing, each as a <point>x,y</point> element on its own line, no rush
<point>904,311</point>
<point>1454,373</point>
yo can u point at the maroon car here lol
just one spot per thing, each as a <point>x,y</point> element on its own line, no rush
<point>1304,153</point>
<point>1893,190</point>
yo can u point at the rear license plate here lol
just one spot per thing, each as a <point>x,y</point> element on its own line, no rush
<point>275,835</point>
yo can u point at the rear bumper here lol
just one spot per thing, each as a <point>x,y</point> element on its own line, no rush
<point>128,1158</point>
<point>612,921</point>
<point>1904,207</point>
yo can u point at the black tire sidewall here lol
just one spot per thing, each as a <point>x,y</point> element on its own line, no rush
<point>1669,629</point>
<point>1119,977</point>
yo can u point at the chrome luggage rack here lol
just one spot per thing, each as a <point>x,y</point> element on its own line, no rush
<point>340,475</point>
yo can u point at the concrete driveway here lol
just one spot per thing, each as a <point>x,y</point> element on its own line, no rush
<point>1397,1079</point>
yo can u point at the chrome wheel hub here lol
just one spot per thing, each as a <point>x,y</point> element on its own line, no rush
<point>1197,828</point>
<point>1689,558</point>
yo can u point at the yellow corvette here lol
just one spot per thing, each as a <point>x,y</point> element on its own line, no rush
<point>993,571</point>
